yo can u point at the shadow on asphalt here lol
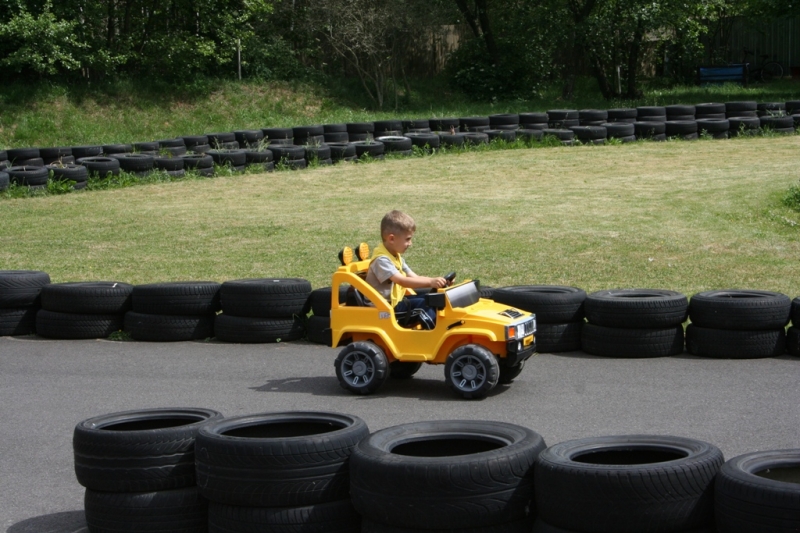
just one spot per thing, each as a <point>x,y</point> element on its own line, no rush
<point>66,522</point>
<point>422,389</point>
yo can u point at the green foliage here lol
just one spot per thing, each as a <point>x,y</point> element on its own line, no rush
<point>43,44</point>
<point>792,197</point>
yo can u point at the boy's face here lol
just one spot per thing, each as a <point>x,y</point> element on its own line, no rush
<point>398,243</point>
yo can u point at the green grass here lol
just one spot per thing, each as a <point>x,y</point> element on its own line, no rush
<point>124,111</point>
<point>687,216</point>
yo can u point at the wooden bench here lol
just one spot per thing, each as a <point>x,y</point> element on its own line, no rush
<point>713,75</point>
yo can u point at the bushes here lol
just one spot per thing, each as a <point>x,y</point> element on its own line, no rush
<point>792,197</point>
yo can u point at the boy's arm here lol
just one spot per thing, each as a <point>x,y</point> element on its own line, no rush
<point>413,281</point>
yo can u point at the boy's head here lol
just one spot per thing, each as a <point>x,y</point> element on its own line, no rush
<point>397,229</point>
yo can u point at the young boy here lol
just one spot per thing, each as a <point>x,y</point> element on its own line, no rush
<point>391,276</point>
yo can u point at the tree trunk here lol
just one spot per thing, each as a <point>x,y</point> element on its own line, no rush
<point>633,62</point>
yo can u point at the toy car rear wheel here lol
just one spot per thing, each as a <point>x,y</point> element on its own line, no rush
<point>362,367</point>
<point>472,371</point>
<point>401,370</point>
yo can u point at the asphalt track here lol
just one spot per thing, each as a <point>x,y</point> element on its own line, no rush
<point>47,387</point>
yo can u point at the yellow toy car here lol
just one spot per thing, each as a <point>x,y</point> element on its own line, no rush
<point>480,342</point>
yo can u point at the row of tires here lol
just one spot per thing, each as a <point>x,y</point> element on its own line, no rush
<point>322,472</point>
<point>328,143</point>
<point>617,323</point>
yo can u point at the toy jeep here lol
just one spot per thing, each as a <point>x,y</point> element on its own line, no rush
<point>480,342</point>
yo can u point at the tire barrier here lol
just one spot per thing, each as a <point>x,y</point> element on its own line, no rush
<point>174,311</point>
<point>84,310</point>
<point>20,300</point>
<point>453,474</point>
<point>262,310</point>
<point>323,472</point>
<point>621,322</point>
<point>634,323</point>
<point>738,324</point>
<point>138,468</point>
<point>627,484</point>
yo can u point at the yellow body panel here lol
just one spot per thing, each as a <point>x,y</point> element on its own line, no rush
<point>480,323</point>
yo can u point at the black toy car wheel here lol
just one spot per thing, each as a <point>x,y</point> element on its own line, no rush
<point>362,367</point>
<point>401,370</point>
<point>471,371</point>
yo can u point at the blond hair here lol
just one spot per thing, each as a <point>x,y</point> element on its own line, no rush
<point>395,222</point>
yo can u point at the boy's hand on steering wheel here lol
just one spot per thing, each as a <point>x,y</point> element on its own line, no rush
<point>438,283</point>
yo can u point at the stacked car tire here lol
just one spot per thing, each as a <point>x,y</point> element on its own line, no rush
<point>559,313</point>
<point>634,323</point>
<point>20,300</point>
<point>173,311</point>
<point>319,323</point>
<point>279,472</point>
<point>793,333</point>
<point>434,476</point>
<point>626,484</point>
<point>138,468</point>
<point>262,310</point>
<point>83,310</point>
<point>738,324</point>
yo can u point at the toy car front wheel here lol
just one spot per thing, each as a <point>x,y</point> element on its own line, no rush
<point>362,367</point>
<point>471,371</point>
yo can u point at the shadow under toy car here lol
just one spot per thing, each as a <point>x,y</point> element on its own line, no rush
<point>480,342</point>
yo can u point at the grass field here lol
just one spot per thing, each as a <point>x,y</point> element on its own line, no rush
<point>687,216</point>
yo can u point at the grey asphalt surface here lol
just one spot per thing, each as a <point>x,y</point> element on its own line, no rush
<point>47,387</point>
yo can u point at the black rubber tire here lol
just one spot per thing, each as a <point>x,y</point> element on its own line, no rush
<point>318,330</point>
<point>170,164</point>
<point>287,151</point>
<point>250,330</point>
<point>361,367</point>
<point>504,119</point>
<point>139,451</point>
<point>140,147</point>
<point>171,143</point>
<point>508,373</point>
<point>87,151</point>
<point>619,129</point>
<point>471,371</point>
<point>336,137</point>
<point>49,153</point>
<point>135,162</point>
<point>648,129</point>
<point>395,143</point>
<point>475,138</point>
<point>452,139</point>
<point>101,166</point>
<point>518,526</point>
<point>177,298</point>
<point>110,149</point>
<point>470,123</point>
<point>557,338</point>
<point>530,135</point>
<point>265,297</point>
<point>424,140</point>
<point>759,491</point>
<point>444,124</point>
<point>562,114</point>
<point>320,300</point>
<point>68,172</point>
<point>622,114</point>
<point>248,138</point>
<point>198,161</point>
<point>500,134</point>
<point>254,157</point>
<point>90,297</point>
<point>318,152</point>
<point>734,344</point>
<point>387,125</point>
<point>777,124</point>
<point>342,150</point>
<point>22,154</point>
<point>285,459</point>
<point>592,116</point>
<point>216,140</point>
<point>631,342</point>
<point>21,288</point>
<point>713,125</point>
<point>740,309</point>
<point>636,308</point>
<point>534,118</point>
<point>561,134</point>
<point>650,112</point>
<point>552,304</point>
<point>627,484</point>
<point>28,175</point>
<point>168,328</point>
<point>680,109</point>
<point>56,325</point>
<point>731,108</point>
<point>680,127</point>
<point>331,517</point>
<point>34,162</point>
<point>589,133</point>
<point>403,370</point>
<point>5,180</point>
<point>234,158</point>
<point>334,128</point>
<point>190,141</point>
<point>416,124</point>
<point>793,340</point>
<point>795,312</point>
<point>709,109</point>
<point>453,474</point>
<point>18,321</point>
<point>360,127</point>
<point>372,148</point>
<point>278,133</point>
<point>173,511</point>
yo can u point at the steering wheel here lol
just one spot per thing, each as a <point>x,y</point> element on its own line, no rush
<point>449,277</point>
